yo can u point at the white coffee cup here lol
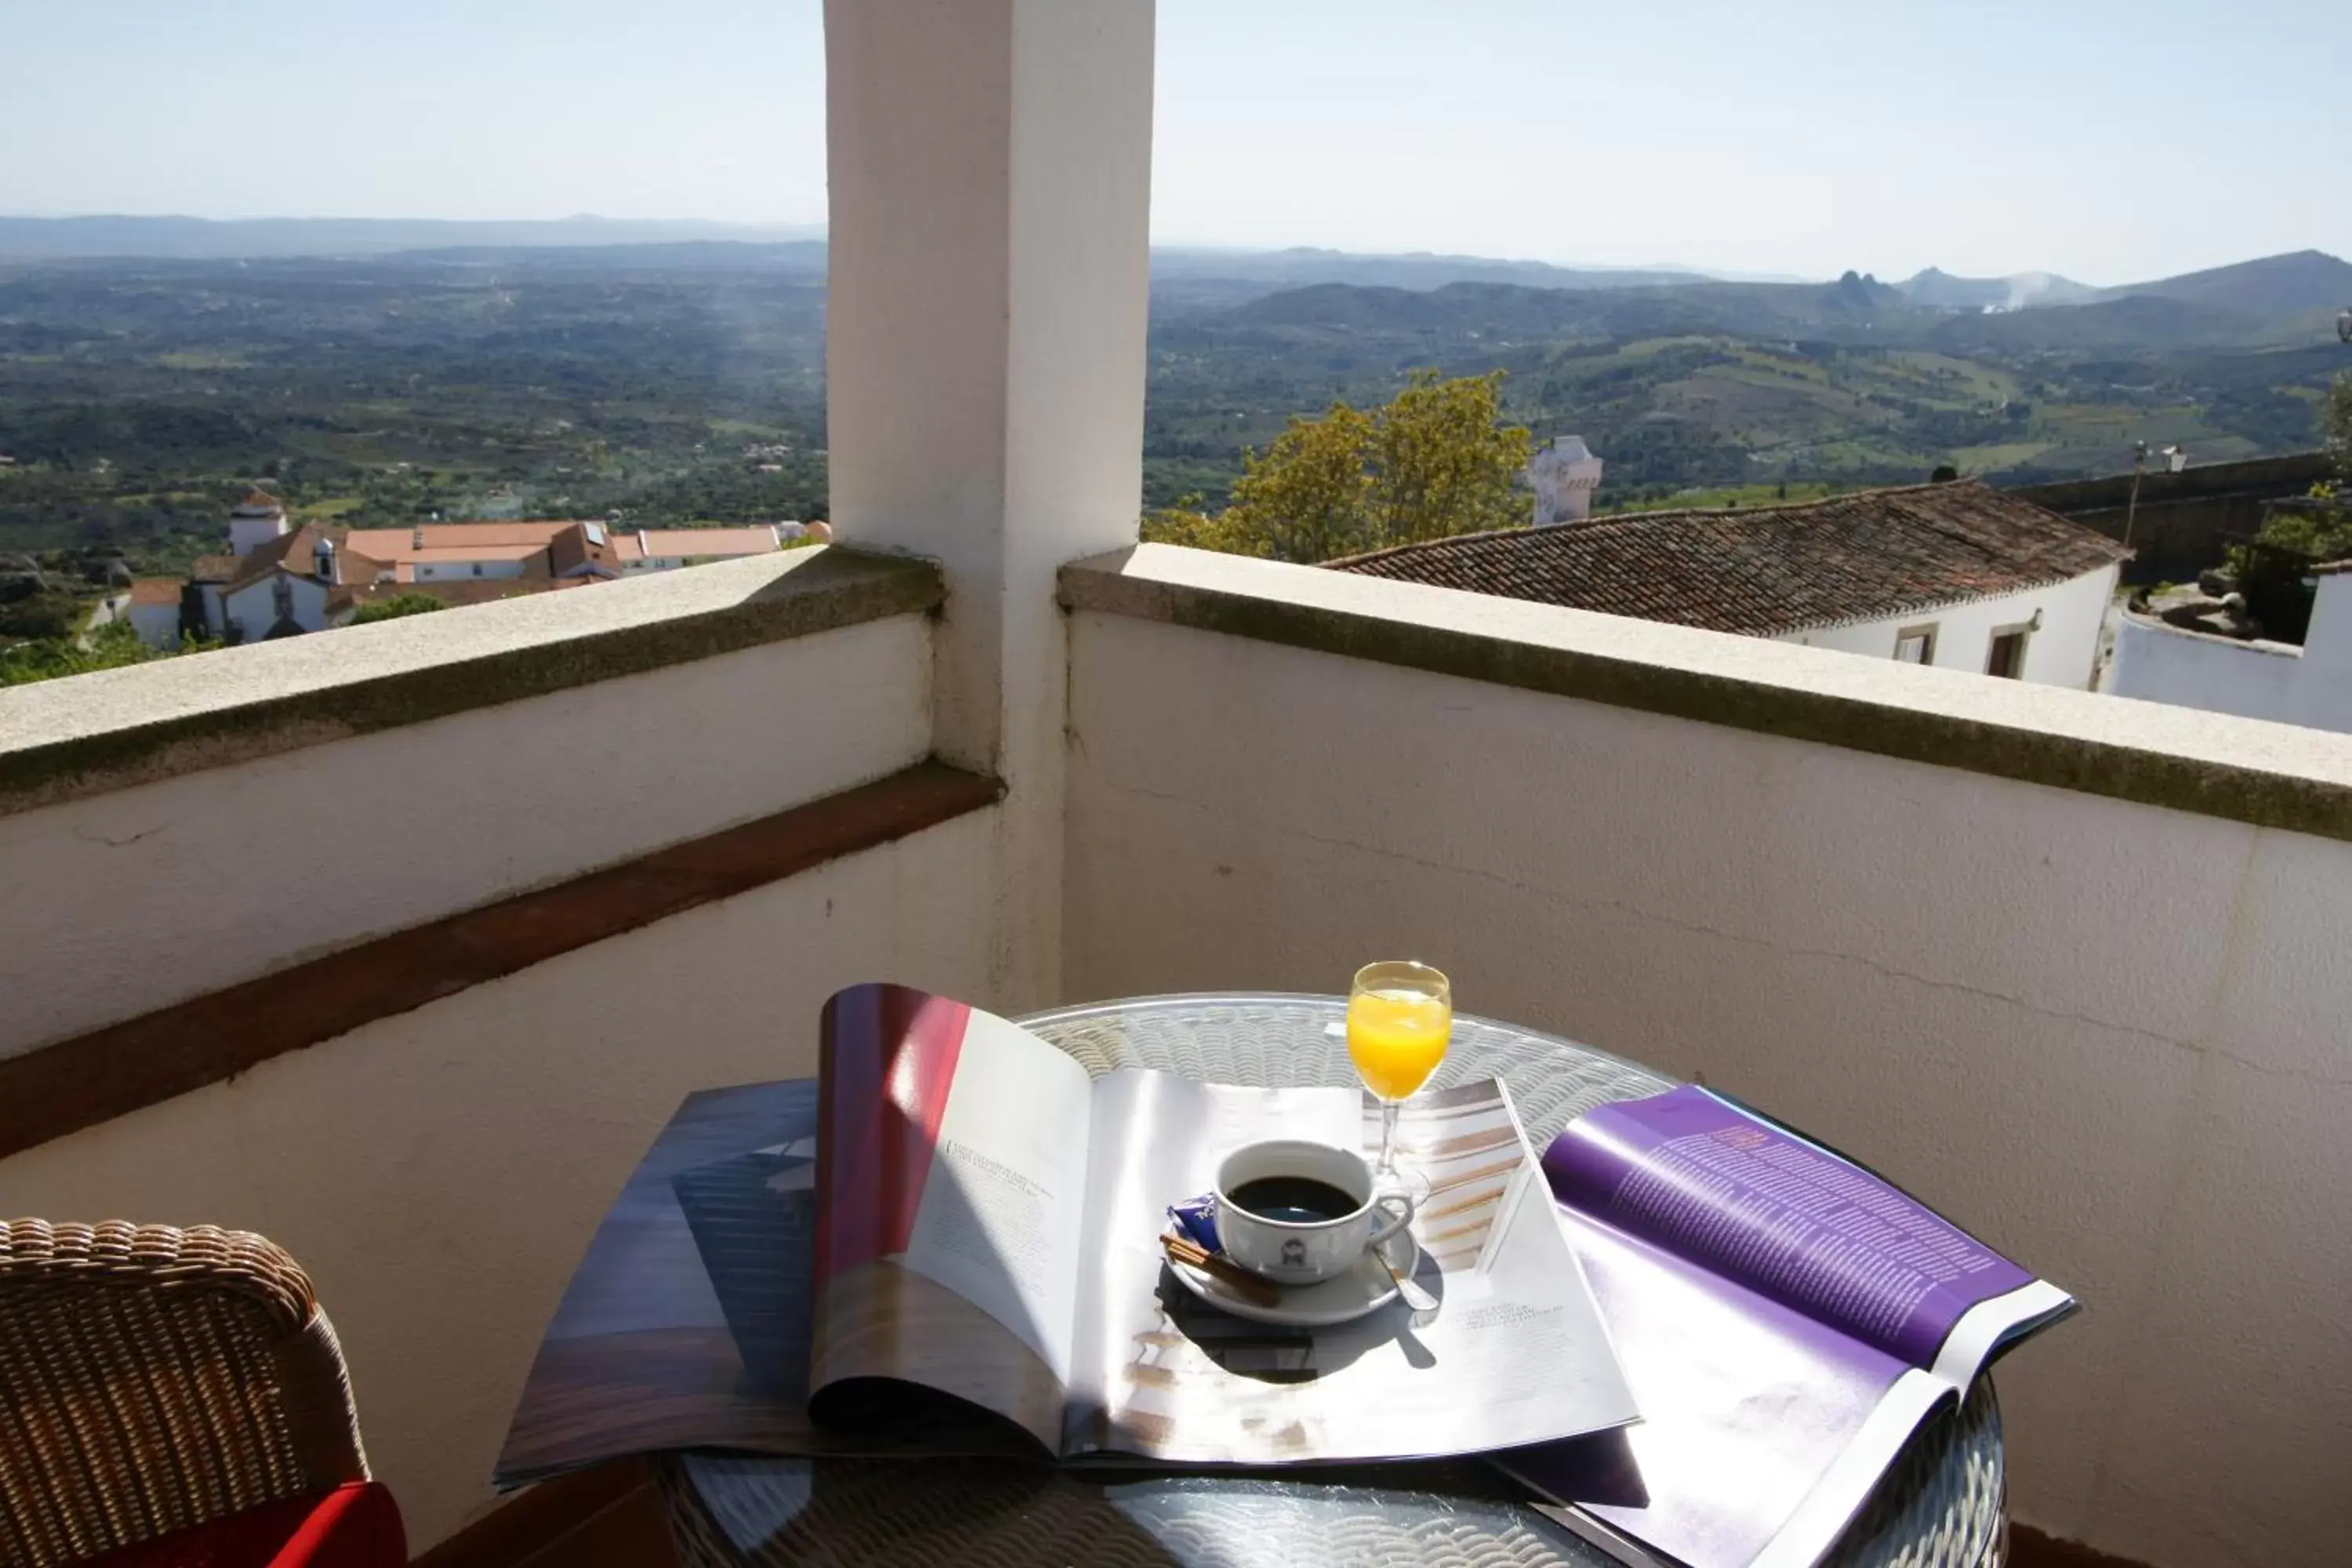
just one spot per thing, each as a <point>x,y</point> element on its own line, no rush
<point>1298,1252</point>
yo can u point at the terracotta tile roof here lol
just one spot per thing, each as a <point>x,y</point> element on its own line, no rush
<point>212,569</point>
<point>455,541</point>
<point>295,552</point>
<point>474,552</point>
<point>573,549</point>
<point>265,557</point>
<point>669,543</point>
<point>1769,571</point>
<point>155,591</point>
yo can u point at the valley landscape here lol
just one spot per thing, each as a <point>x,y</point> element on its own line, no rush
<point>671,380</point>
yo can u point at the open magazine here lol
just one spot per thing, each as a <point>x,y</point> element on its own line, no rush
<point>692,1319</point>
<point>1786,1318</point>
<point>987,1219</point>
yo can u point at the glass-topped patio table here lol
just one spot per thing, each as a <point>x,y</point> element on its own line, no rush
<point>1940,1506</point>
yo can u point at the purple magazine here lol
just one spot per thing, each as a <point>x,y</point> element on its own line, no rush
<point>1785,1318</point>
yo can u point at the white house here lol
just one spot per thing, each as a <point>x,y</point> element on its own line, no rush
<point>153,611</point>
<point>255,520</point>
<point>299,582</point>
<point>277,579</point>
<point>539,549</point>
<point>1564,474</point>
<point>1959,575</point>
<point>667,549</point>
<point>534,549</point>
<point>2161,661</point>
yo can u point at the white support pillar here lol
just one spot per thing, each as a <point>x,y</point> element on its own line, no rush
<point>991,165</point>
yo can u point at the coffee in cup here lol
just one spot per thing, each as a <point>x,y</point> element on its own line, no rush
<point>1298,1213</point>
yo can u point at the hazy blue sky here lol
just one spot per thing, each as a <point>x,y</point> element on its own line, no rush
<point>2108,139</point>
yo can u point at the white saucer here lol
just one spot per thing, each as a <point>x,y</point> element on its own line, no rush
<point>1363,1289</point>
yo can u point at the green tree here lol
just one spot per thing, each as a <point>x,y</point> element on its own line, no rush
<point>2336,426</point>
<point>111,646</point>
<point>2294,538</point>
<point>48,613</point>
<point>1188,524</point>
<point>399,604</point>
<point>1309,495</point>
<point>1435,462</point>
<point>1443,462</point>
<point>46,658</point>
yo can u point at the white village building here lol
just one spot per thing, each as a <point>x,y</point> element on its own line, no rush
<point>257,519</point>
<point>153,611</point>
<point>278,580</point>
<point>1564,474</point>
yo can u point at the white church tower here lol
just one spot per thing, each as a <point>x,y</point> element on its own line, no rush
<point>258,519</point>
<point>1564,474</point>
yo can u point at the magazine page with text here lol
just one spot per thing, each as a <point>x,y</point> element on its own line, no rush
<point>1787,1320</point>
<point>1721,1186</point>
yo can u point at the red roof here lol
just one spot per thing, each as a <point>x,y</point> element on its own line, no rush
<point>456,540</point>
<point>155,591</point>
<point>296,553</point>
<point>664,543</point>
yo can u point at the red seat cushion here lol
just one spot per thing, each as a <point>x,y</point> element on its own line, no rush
<point>356,1525</point>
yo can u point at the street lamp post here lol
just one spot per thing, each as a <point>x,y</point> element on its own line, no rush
<point>2139,467</point>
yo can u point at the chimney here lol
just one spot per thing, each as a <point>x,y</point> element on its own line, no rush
<point>417,537</point>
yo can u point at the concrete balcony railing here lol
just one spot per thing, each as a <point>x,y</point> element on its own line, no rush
<point>2073,969</point>
<point>395,944</point>
<point>411,990</point>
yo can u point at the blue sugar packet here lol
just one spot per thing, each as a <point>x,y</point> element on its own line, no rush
<point>1197,1218</point>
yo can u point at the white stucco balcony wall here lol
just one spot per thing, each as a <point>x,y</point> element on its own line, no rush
<point>438,1170</point>
<point>2309,685</point>
<point>2104,1033</point>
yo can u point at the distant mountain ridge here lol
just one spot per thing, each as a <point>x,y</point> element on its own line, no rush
<point>1302,266</point>
<point>2300,283</point>
<point>209,239</point>
<point>2294,285</point>
<point>1936,287</point>
<point>2297,283</point>
<point>219,239</point>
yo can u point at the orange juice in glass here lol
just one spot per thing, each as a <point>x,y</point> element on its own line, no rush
<point>1400,1019</point>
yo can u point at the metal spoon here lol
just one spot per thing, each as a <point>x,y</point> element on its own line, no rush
<point>1416,1298</point>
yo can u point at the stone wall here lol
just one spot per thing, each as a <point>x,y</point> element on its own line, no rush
<point>2184,519</point>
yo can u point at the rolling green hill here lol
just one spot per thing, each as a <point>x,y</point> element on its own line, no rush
<point>1728,385</point>
<point>682,381</point>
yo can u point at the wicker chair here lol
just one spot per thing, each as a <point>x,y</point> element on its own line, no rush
<point>153,1379</point>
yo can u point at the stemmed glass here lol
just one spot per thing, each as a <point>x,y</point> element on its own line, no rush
<point>1399,1020</point>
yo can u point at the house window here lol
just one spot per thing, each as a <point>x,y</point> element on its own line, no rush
<point>2006,657</point>
<point>478,568</point>
<point>1915,645</point>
